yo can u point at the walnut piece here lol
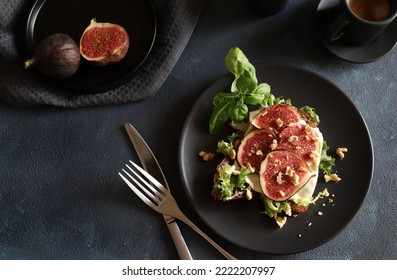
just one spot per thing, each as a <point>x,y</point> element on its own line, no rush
<point>341,152</point>
<point>206,156</point>
<point>333,177</point>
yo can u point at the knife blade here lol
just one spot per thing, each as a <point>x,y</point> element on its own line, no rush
<point>151,165</point>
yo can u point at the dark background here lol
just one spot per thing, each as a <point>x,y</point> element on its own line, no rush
<point>61,197</point>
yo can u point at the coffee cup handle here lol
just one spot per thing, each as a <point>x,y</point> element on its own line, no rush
<point>335,29</point>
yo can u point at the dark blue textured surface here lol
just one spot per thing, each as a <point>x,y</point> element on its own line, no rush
<point>61,197</point>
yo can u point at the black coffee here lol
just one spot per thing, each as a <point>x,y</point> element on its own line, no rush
<point>371,10</point>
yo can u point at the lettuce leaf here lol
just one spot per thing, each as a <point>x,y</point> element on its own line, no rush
<point>229,179</point>
<point>326,162</point>
<point>271,207</point>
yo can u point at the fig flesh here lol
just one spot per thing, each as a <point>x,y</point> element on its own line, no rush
<point>277,117</point>
<point>282,174</point>
<point>104,43</point>
<point>303,140</point>
<point>254,148</point>
<point>57,57</point>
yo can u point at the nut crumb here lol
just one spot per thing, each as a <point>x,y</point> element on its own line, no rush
<point>279,122</point>
<point>232,154</point>
<point>273,145</point>
<point>341,152</point>
<point>281,221</point>
<point>248,195</point>
<point>333,177</point>
<point>206,156</point>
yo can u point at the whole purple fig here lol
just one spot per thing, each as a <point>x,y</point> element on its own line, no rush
<point>57,57</point>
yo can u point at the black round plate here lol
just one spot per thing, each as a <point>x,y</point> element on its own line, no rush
<point>73,16</point>
<point>240,221</point>
<point>327,10</point>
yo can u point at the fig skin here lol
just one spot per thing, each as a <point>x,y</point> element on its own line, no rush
<point>104,43</point>
<point>56,56</point>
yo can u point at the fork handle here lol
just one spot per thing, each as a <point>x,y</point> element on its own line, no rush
<point>186,220</point>
<point>179,241</point>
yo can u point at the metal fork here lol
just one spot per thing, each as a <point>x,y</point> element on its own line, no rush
<point>155,195</point>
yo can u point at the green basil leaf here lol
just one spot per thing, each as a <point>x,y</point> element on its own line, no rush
<point>219,97</point>
<point>220,115</point>
<point>247,81</point>
<point>238,112</point>
<point>236,61</point>
<point>263,88</point>
<point>254,98</point>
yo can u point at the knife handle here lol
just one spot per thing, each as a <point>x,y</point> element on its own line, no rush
<point>179,241</point>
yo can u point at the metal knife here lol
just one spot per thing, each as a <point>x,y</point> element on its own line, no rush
<point>151,165</point>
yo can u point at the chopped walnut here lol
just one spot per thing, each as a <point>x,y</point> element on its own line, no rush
<point>273,145</point>
<point>302,169</point>
<point>206,156</point>
<point>333,177</point>
<point>341,152</point>
<point>232,154</point>
<point>314,155</point>
<point>294,177</point>
<point>288,210</point>
<point>289,171</point>
<point>250,167</point>
<point>279,122</point>
<point>280,178</point>
<point>281,221</point>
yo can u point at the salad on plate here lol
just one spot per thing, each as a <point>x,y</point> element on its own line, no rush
<point>276,152</point>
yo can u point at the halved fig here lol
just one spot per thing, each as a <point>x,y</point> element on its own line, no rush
<point>277,117</point>
<point>254,148</point>
<point>103,43</point>
<point>303,140</point>
<point>282,174</point>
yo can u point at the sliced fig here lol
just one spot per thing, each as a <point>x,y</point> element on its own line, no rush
<point>276,117</point>
<point>254,148</point>
<point>282,174</point>
<point>303,140</point>
<point>103,43</point>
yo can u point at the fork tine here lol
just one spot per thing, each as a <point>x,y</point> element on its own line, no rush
<point>150,190</point>
<point>151,194</point>
<point>158,186</point>
<point>137,192</point>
